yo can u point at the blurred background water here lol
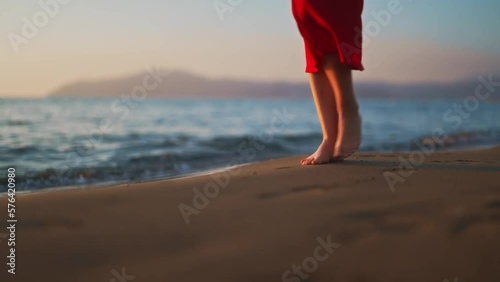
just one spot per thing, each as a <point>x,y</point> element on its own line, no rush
<point>60,142</point>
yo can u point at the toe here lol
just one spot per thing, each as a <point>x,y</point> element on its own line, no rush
<point>316,162</point>
<point>309,161</point>
<point>304,161</point>
<point>320,161</point>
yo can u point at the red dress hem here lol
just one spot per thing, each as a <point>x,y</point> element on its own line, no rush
<point>330,27</point>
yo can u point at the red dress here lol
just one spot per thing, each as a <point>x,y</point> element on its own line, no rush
<point>328,27</point>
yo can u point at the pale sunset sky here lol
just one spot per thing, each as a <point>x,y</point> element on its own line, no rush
<point>425,41</point>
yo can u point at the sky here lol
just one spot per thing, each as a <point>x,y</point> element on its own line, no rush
<point>425,41</point>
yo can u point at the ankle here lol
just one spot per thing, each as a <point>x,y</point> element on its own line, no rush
<point>328,140</point>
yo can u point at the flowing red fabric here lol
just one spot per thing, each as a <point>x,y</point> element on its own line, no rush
<point>330,27</point>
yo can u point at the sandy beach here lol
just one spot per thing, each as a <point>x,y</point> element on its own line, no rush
<point>273,221</point>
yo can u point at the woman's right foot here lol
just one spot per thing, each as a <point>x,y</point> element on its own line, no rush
<point>322,155</point>
<point>349,136</point>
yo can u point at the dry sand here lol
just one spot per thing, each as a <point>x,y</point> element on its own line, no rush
<point>442,222</point>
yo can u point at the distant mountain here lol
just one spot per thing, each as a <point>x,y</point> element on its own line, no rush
<point>185,85</point>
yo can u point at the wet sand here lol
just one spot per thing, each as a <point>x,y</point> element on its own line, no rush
<point>273,221</point>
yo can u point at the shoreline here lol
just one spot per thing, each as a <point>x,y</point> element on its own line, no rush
<point>127,182</point>
<point>108,184</point>
<point>441,221</point>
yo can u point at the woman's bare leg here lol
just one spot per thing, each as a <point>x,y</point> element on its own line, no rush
<point>349,120</point>
<point>324,100</point>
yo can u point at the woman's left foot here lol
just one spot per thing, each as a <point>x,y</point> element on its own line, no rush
<point>349,137</point>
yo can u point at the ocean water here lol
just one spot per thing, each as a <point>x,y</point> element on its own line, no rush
<point>76,142</point>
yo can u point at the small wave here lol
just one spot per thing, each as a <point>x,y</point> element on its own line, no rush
<point>12,122</point>
<point>451,141</point>
<point>22,149</point>
<point>458,140</point>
